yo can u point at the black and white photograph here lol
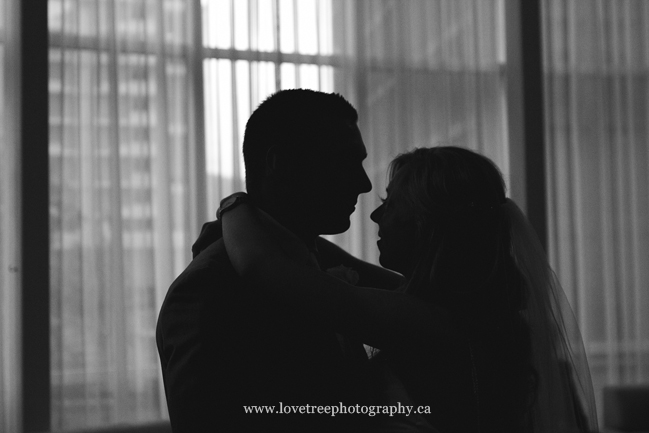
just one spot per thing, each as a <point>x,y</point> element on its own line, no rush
<point>324,216</point>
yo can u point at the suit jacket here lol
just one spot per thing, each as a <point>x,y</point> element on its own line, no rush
<point>223,345</point>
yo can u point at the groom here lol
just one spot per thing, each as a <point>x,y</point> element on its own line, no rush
<point>224,349</point>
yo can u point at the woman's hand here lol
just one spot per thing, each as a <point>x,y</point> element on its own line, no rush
<point>332,255</point>
<point>253,241</point>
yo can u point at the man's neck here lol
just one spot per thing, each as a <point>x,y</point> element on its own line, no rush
<point>291,224</point>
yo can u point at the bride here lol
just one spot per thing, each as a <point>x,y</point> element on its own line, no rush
<point>480,333</point>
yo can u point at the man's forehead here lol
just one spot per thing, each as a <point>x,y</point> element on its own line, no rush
<point>350,145</point>
<point>357,142</point>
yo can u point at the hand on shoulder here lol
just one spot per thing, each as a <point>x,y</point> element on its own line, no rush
<point>210,233</point>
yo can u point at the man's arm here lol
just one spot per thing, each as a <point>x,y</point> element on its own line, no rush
<point>369,274</point>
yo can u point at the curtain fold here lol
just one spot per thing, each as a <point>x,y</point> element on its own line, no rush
<point>122,224</point>
<point>10,224</point>
<point>596,56</point>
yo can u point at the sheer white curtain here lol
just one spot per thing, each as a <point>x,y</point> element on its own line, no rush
<point>130,180</point>
<point>420,73</point>
<point>10,290</point>
<point>122,146</point>
<point>597,111</point>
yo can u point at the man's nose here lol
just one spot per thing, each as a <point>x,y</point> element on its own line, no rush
<point>364,182</point>
<point>377,214</point>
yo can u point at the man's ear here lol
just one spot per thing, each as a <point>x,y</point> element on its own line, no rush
<point>272,160</point>
<point>278,162</point>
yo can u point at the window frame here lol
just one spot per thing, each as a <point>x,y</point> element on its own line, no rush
<point>34,198</point>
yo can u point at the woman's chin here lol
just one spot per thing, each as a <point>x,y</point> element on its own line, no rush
<point>386,262</point>
<point>393,265</point>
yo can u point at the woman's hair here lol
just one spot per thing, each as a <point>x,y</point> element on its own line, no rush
<point>464,263</point>
<point>463,258</point>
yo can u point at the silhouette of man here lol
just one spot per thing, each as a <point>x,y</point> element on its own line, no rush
<point>221,346</point>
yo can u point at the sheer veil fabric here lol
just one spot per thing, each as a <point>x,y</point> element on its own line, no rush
<point>564,400</point>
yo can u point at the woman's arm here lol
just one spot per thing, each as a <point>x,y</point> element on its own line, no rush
<point>380,318</point>
<point>370,275</point>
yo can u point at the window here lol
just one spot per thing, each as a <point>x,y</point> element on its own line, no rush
<point>148,101</point>
<point>251,50</point>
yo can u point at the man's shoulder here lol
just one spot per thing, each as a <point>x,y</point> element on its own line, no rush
<point>213,263</point>
<point>209,278</point>
<point>212,255</point>
<point>207,291</point>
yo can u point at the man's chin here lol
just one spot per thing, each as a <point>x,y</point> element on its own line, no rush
<point>335,227</point>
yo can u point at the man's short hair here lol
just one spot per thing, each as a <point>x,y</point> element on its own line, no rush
<point>297,120</point>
